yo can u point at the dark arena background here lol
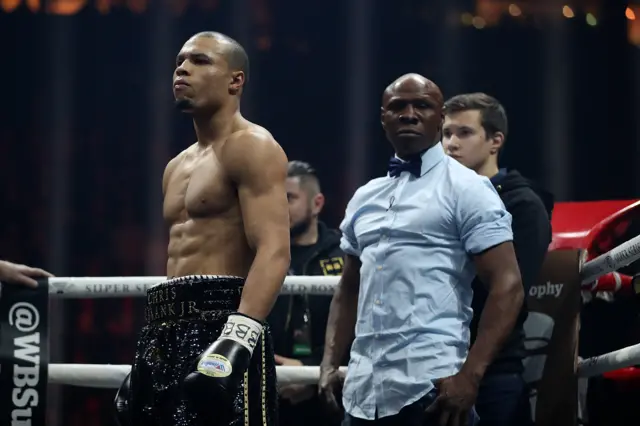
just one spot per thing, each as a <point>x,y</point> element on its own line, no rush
<point>88,124</point>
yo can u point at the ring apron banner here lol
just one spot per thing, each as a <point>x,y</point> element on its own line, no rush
<point>24,354</point>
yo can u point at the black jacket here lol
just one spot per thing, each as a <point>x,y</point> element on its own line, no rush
<point>323,258</point>
<point>530,208</point>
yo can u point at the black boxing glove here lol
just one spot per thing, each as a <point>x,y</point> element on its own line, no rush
<point>220,369</point>
<point>121,402</point>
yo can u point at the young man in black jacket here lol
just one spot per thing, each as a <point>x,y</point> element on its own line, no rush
<point>474,131</point>
<point>298,323</point>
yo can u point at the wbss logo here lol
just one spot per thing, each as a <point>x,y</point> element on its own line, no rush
<point>25,318</point>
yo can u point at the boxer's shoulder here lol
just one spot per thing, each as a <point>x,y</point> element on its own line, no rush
<point>172,165</point>
<point>250,138</point>
<point>255,151</point>
<point>183,155</point>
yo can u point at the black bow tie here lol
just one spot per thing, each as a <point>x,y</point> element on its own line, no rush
<point>397,166</point>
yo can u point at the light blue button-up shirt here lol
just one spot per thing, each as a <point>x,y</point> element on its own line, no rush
<point>414,237</point>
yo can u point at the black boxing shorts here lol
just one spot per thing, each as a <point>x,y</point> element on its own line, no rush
<point>184,316</point>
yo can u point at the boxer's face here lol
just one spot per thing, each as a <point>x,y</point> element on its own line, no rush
<point>464,139</point>
<point>202,78</point>
<point>412,115</point>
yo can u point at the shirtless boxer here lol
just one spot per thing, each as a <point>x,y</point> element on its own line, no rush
<point>205,356</point>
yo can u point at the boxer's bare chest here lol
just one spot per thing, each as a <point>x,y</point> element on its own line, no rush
<point>198,188</point>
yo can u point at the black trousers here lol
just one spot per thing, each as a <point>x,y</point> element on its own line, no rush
<point>503,400</point>
<point>184,317</point>
<point>307,413</point>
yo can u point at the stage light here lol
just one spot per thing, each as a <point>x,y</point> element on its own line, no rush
<point>467,19</point>
<point>568,12</point>
<point>479,22</point>
<point>514,10</point>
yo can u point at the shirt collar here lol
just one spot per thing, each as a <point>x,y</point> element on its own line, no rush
<point>430,158</point>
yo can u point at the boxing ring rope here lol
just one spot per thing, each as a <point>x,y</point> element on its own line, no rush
<point>108,376</point>
<point>104,287</point>
<point>619,257</point>
<point>622,358</point>
<point>109,287</point>
<point>111,376</point>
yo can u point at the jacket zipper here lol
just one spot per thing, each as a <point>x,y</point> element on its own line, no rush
<point>305,266</point>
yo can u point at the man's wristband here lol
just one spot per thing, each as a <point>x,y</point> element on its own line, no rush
<point>242,329</point>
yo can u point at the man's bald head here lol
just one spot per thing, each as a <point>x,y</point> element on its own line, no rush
<point>411,114</point>
<point>413,83</point>
<point>234,53</point>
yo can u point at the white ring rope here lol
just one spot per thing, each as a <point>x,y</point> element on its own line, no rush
<point>108,376</point>
<point>103,287</point>
<point>622,358</point>
<point>623,255</point>
<point>111,376</point>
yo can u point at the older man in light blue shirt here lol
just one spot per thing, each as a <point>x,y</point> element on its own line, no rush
<point>414,241</point>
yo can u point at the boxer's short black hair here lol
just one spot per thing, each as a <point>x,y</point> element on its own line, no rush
<point>235,54</point>
<point>493,116</point>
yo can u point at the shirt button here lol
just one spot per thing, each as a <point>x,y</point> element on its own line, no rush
<point>377,302</point>
<point>379,268</point>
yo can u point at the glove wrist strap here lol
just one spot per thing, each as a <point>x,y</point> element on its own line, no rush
<point>242,329</point>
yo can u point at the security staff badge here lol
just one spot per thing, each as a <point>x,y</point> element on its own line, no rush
<point>332,266</point>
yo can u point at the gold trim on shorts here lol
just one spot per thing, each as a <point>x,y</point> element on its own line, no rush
<point>263,387</point>
<point>246,398</point>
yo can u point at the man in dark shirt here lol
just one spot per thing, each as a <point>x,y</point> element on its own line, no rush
<point>474,131</point>
<point>298,322</point>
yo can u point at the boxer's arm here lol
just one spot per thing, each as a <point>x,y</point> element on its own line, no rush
<point>342,313</point>
<point>485,231</point>
<point>258,167</point>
